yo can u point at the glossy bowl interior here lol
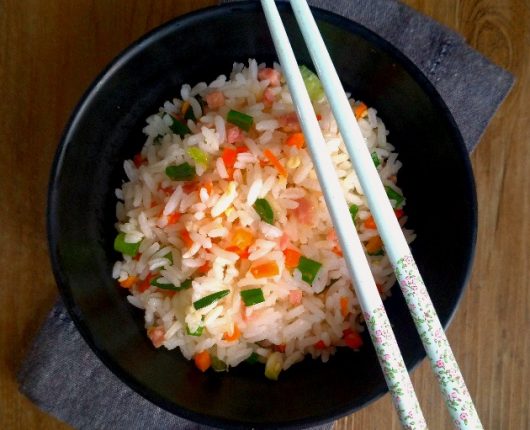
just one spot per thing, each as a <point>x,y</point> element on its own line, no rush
<point>106,128</point>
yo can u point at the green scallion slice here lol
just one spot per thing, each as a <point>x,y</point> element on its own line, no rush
<point>242,120</point>
<point>375,159</point>
<point>312,84</point>
<point>182,172</point>
<point>189,114</point>
<point>125,247</point>
<point>309,269</point>
<point>353,211</point>
<point>168,286</point>
<point>197,332</point>
<point>169,257</point>
<point>208,300</point>
<point>264,210</point>
<point>218,365</point>
<point>252,297</point>
<point>179,127</point>
<point>394,195</point>
<point>253,358</point>
<point>198,155</point>
<point>378,253</point>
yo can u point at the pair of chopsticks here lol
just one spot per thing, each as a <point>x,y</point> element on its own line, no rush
<point>420,305</point>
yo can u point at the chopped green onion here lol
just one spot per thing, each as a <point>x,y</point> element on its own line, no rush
<point>312,84</point>
<point>242,120</point>
<point>309,269</point>
<point>264,210</point>
<point>273,367</point>
<point>394,195</point>
<point>198,155</point>
<point>168,286</point>
<point>189,114</point>
<point>169,257</point>
<point>375,159</point>
<point>208,300</point>
<point>253,358</point>
<point>353,211</point>
<point>125,247</point>
<point>197,332</point>
<point>182,172</point>
<point>179,127</point>
<point>252,297</point>
<point>380,252</point>
<point>218,365</point>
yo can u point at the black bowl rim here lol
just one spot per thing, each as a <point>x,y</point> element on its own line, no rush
<point>84,103</point>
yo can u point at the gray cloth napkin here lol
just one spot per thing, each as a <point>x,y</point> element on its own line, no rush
<point>62,375</point>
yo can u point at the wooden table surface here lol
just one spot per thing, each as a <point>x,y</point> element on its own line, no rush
<point>51,50</point>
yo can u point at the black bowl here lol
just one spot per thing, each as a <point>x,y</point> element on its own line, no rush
<point>106,128</point>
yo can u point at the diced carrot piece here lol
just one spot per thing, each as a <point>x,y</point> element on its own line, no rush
<point>319,117</point>
<point>208,186</point>
<point>190,187</point>
<point>352,338</point>
<point>399,213</point>
<point>138,160</point>
<point>229,157</point>
<point>279,348</point>
<point>360,110</point>
<point>185,236</point>
<point>292,258</point>
<point>129,282</point>
<point>320,345</point>
<point>337,250</point>
<point>374,245</point>
<point>167,190</point>
<point>242,148</point>
<point>370,223</point>
<point>275,162</point>
<point>296,139</point>
<point>234,336</point>
<point>146,283</point>
<point>242,238</point>
<point>243,253</point>
<point>184,108</point>
<point>263,270</point>
<point>379,288</point>
<point>295,297</point>
<point>173,218</point>
<point>157,336</point>
<point>344,307</point>
<point>203,361</point>
<point>204,268</point>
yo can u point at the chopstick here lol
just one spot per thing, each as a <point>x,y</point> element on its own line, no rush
<point>389,355</point>
<point>443,363</point>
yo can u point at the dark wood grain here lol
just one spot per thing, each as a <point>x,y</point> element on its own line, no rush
<point>51,50</point>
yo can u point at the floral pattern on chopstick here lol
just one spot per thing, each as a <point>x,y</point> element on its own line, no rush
<point>443,363</point>
<point>394,369</point>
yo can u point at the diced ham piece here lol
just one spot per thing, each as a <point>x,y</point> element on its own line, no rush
<point>295,297</point>
<point>215,100</point>
<point>284,241</point>
<point>157,336</point>
<point>304,211</point>
<point>234,134</point>
<point>289,122</point>
<point>272,75</point>
<point>268,97</point>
